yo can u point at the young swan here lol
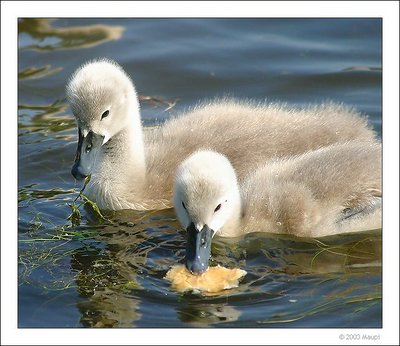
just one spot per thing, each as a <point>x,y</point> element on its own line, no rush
<point>134,170</point>
<point>335,189</point>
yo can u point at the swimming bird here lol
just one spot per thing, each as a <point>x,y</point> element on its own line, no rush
<point>134,169</point>
<point>331,190</point>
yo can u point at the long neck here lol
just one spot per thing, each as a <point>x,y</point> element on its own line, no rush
<point>133,138</point>
<point>121,163</point>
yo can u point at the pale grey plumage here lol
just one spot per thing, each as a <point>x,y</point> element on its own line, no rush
<point>134,169</point>
<point>331,190</point>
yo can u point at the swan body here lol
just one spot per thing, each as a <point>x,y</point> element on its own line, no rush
<point>134,168</point>
<point>331,190</point>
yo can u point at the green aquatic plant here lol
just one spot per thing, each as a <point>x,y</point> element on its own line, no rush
<point>75,216</point>
<point>47,260</point>
<point>333,305</point>
<point>346,251</point>
<point>46,247</point>
<point>55,262</point>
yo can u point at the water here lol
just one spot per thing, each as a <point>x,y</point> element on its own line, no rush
<point>110,273</point>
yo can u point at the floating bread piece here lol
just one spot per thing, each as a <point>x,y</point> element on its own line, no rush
<point>215,279</point>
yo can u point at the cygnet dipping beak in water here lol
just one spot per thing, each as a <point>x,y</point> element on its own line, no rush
<point>335,189</point>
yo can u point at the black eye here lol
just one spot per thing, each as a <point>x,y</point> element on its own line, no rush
<point>184,206</point>
<point>88,147</point>
<point>105,114</point>
<point>217,208</point>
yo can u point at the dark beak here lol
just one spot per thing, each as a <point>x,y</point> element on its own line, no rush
<point>75,168</point>
<point>198,248</point>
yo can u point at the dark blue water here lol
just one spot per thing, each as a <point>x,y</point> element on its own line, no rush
<point>110,273</point>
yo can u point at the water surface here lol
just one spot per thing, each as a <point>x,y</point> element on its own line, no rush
<point>110,273</point>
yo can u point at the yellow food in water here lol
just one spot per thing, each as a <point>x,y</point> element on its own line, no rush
<point>215,279</point>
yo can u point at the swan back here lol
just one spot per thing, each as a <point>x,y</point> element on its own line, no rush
<point>248,133</point>
<point>335,189</point>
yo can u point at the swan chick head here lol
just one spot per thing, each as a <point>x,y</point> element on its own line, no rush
<point>101,96</point>
<point>206,197</point>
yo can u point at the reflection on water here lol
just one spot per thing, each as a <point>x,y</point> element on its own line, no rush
<point>111,273</point>
<point>122,264</point>
<point>66,38</point>
<point>38,72</point>
<point>201,314</point>
<point>44,120</point>
<point>43,115</point>
<point>105,288</point>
